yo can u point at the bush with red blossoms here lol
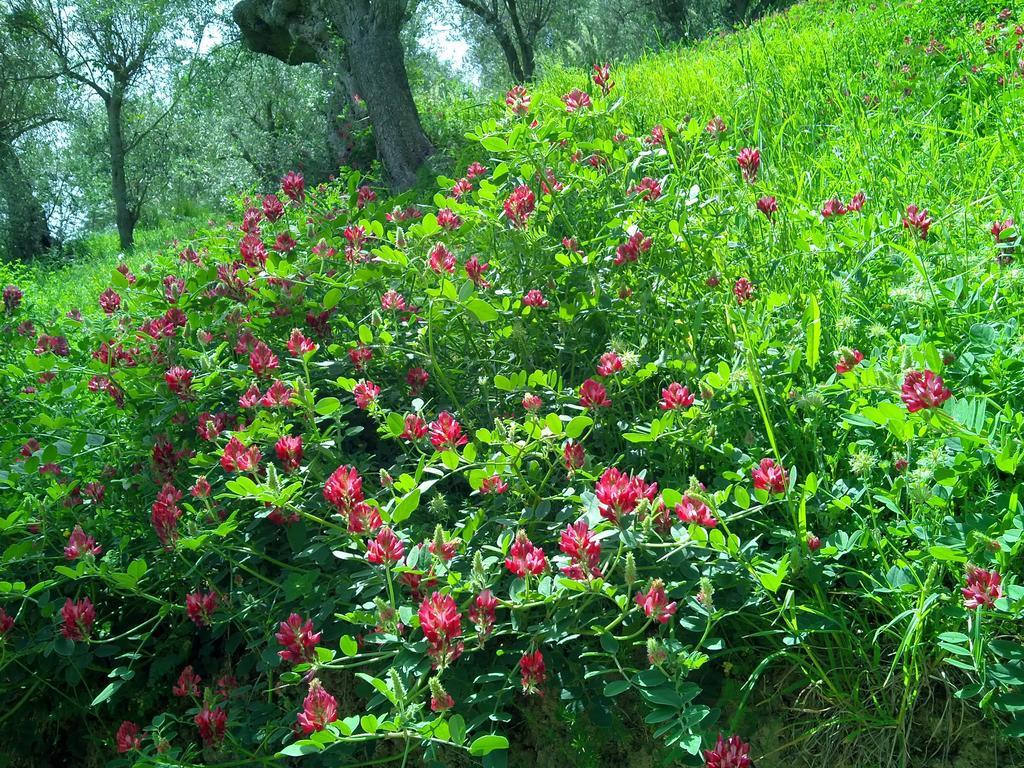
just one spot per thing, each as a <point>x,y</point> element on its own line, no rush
<point>361,479</point>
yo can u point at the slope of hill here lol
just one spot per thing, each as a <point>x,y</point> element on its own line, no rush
<point>688,408</point>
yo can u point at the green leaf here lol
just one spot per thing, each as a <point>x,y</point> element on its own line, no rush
<point>369,723</point>
<point>486,744</point>
<point>331,300</point>
<point>812,329</point>
<point>348,645</point>
<point>493,143</point>
<point>406,506</point>
<point>300,748</point>
<point>365,334</point>
<point>327,405</point>
<point>947,554</point>
<point>615,688</point>
<point>483,311</point>
<point>457,728</point>
<point>553,423</point>
<point>577,425</point>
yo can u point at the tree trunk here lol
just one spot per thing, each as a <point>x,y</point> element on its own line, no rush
<point>123,212</point>
<point>378,65</point>
<point>515,67</point>
<point>343,110</point>
<point>28,233</point>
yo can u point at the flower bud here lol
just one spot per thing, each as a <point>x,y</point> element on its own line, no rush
<point>629,570</point>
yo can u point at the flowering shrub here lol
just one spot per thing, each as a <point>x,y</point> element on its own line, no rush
<point>356,481</point>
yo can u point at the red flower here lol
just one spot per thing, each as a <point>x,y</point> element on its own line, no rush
<point>298,640</point>
<point>417,379</point>
<point>648,189</point>
<point>360,355</point>
<point>392,300</point>
<point>278,395</point>
<point>80,543</point>
<point>655,602</point>
<point>179,381</point>
<point>319,709</point>
<point>534,298</point>
<point>200,607</point>
<point>769,476</point>
<point>576,100</point>
<point>728,753</point>
<point>923,389</point>
<point>446,433</point>
<point>617,494</point>
<point>693,510</point>
<point>524,557</point>
<point>532,671</point>
<point>848,360</point>
<point>294,186</point>
<point>602,79</point>
<point>237,457</point>
<point>386,548</point>
<point>442,701</point>
<point>78,618</point>
<point>289,451</point>
<point>532,402</point>
<point>813,542</point>
<point>442,626</point>
<point>519,206</point>
<point>630,250</point>
<point>262,360</point>
<point>166,513</point>
<point>768,205</point>
<point>481,613</point>
<point>657,137</point>
<point>414,427</point>
<point>344,489</point>
<point>212,724</point>
<point>299,344</point>
<point>573,455</point>
<point>462,187</point>
<point>448,219</point>
<point>13,295</point>
<point>833,207</point>
<point>518,100</point>
<point>441,259</point>
<point>1000,227</point>
<point>917,218</point>
<point>594,395</point>
<point>749,160</point>
<point>475,169</point>
<point>675,397</point>
<point>6,623</point>
<point>716,126</point>
<point>475,272</point>
<point>128,737</point>
<point>365,393</point>
<point>110,301</point>
<point>363,518</point>
<point>273,208</point>
<point>188,683</point>
<point>493,484</point>
<point>609,364</point>
<point>744,290</point>
<point>856,202</point>
<point>201,488</point>
<point>584,551</point>
<point>983,588</point>
<point>364,195</point>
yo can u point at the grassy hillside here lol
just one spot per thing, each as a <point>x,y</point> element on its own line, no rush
<point>709,378</point>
